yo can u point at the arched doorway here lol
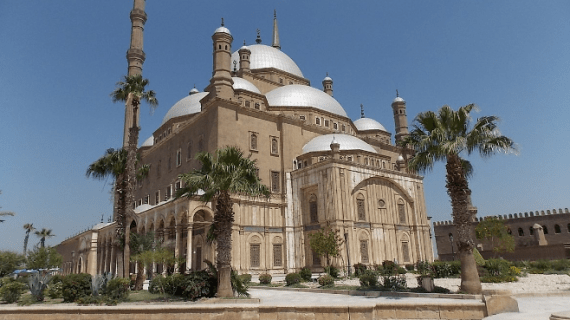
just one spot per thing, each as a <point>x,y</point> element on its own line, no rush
<point>201,250</point>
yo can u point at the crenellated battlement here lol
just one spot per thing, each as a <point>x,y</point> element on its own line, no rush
<point>512,216</point>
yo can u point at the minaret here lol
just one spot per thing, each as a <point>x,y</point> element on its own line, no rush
<point>244,54</point>
<point>135,58</point>
<point>400,118</point>
<point>328,85</point>
<point>221,83</point>
<point>275,43</point>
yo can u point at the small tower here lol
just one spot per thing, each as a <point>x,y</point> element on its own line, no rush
<point>244,61</point>
<point>135,58</point>
<point>335,148</point>
<point>400,118</point>
<point>275,43</point>
<point>328,85</point>
<point>221,83</point>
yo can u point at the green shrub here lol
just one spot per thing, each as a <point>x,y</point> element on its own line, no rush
<point>369,278</point>
<point>455,267</point>
<point>394,282</point>
<point>401,270</point>
<point>38,283</point>
<point>55,287</point>
<point>245,278</point>
<point>332,271</point>
<point>479,260</point>
<point>497,267</point>
<point>306,274</point>
<point>424,268</point>
<point>389,267</point>
<point>156,285</point>
<point>326,281</point>
<point>238,285</point>
<point>118,289</point>
<point>541,265</point>
<point>410,268</point>
<point>11,290</point>
<point>560,265</point>
<point>75,286</point>
<point>265,278</point>
<point>442,269</point>
<point>498,279</point>
<point>359,269</point>
<point>292,278</point>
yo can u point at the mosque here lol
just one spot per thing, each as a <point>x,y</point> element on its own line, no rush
<point>323,169</point>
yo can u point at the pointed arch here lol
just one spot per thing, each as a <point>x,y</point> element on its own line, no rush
<point>375,179</point>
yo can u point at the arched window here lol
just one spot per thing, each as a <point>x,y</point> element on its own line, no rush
<point>318,121</point>
<point>360,207</point>
<point>364,251</point>
<point>313,209</point>
<point>253,141</point>
<point>521,232</point>
<point>402,211</point>
<point>509,231</point>
<point>568,227</point>
<point>545,229</point>
<point>201,144</point>
<point>531,231</point>
<point>274,146</point>
<point>189,150</point>
<point>556,228</point>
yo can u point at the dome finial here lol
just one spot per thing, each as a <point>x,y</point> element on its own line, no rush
<point>222,22</point>
<point>275,43</point>
<point>258,39</point>
<point>244,42</point>
<point>397,93</point>
<point>361,111</point>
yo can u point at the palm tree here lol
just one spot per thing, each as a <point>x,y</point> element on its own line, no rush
<point>113,164</point>
<point>43,234</point>
<point>29,227</point>
<point>5,213</point>
<point>228,171</point>
<point>132,91</point>
<point>448,136</point>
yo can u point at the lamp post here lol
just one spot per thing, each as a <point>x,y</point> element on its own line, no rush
<point>451,241</point>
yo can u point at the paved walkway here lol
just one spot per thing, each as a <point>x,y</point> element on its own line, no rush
<point>531,308</point>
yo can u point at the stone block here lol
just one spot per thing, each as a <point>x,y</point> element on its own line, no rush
<point>500,303</point>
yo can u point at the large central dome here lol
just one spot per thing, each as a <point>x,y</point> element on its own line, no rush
<point>296,95</point>
<point>263,56</point>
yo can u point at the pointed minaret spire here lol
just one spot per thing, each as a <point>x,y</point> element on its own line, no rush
<point>361,111</point>
<point>275,43</point>
<point>135,58</point>
<point>258,39</point>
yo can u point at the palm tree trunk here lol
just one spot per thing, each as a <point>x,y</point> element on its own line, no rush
<point>120,218</point>
<point>458,190</point>
<point>26,243</point>
<point>140,276</point>
<point>130,187</point>
<point>223,220</point>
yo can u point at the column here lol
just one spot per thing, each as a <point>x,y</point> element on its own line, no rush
<point>189,247</point>
<point>177,247</point>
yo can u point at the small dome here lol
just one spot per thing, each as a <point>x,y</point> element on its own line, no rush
<point>223,29</point>
<point>240,83</point>
<point>327,78</point>
<point>296,95</point>
<point>148,142</point>
<point>188,105</point>
<point>263,56</point>
<point>365,124</point>
<point>400,159</point>
<point>194,90</point>
<point>347,142</point>
<point>399,99</point>
<point>244,47</point>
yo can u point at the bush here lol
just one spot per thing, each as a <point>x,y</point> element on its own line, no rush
<point>401,270</point>
<point>410,268</point>
<point>369,278</point>
<point>156,285</point>
<point>238,285</point>
<point>245,278</point>
<point>55,287</point>
<point>306,274</point>
<point>497,267</point>
<point>394,282</point>
<point>498,279</point>
<point>326,280</point>
<point>118,289</point>
<point>75,286</point>
<point>479,260</point>
<point>424,268</point>
<point>359,269</point>
<point>541,265</point>
<point>443,269</point>
<point>265,278</point>
<point>292,278</point>
<point>194,285</point>
<point>37,284</point>
<point>389,267</point>
<point>332,271</point>
<point>560,265</point>
<point>11,290</point>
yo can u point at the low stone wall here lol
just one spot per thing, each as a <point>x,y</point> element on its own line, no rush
<point>397,310</point>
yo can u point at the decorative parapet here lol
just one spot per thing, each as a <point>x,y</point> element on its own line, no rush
<point>512,216</point>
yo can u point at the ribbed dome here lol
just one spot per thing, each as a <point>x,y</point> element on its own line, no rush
<point>240,83</point>
<point>296,95</point>
<point>347,142</point>
<point>263,56</point>
<point>188,105</point>
<point>223,30</point>
<point>364,124</point>
<point>148,142</point>
<point>398,99</point>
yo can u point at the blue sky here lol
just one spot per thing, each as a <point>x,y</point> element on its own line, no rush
<point>60,60</point>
